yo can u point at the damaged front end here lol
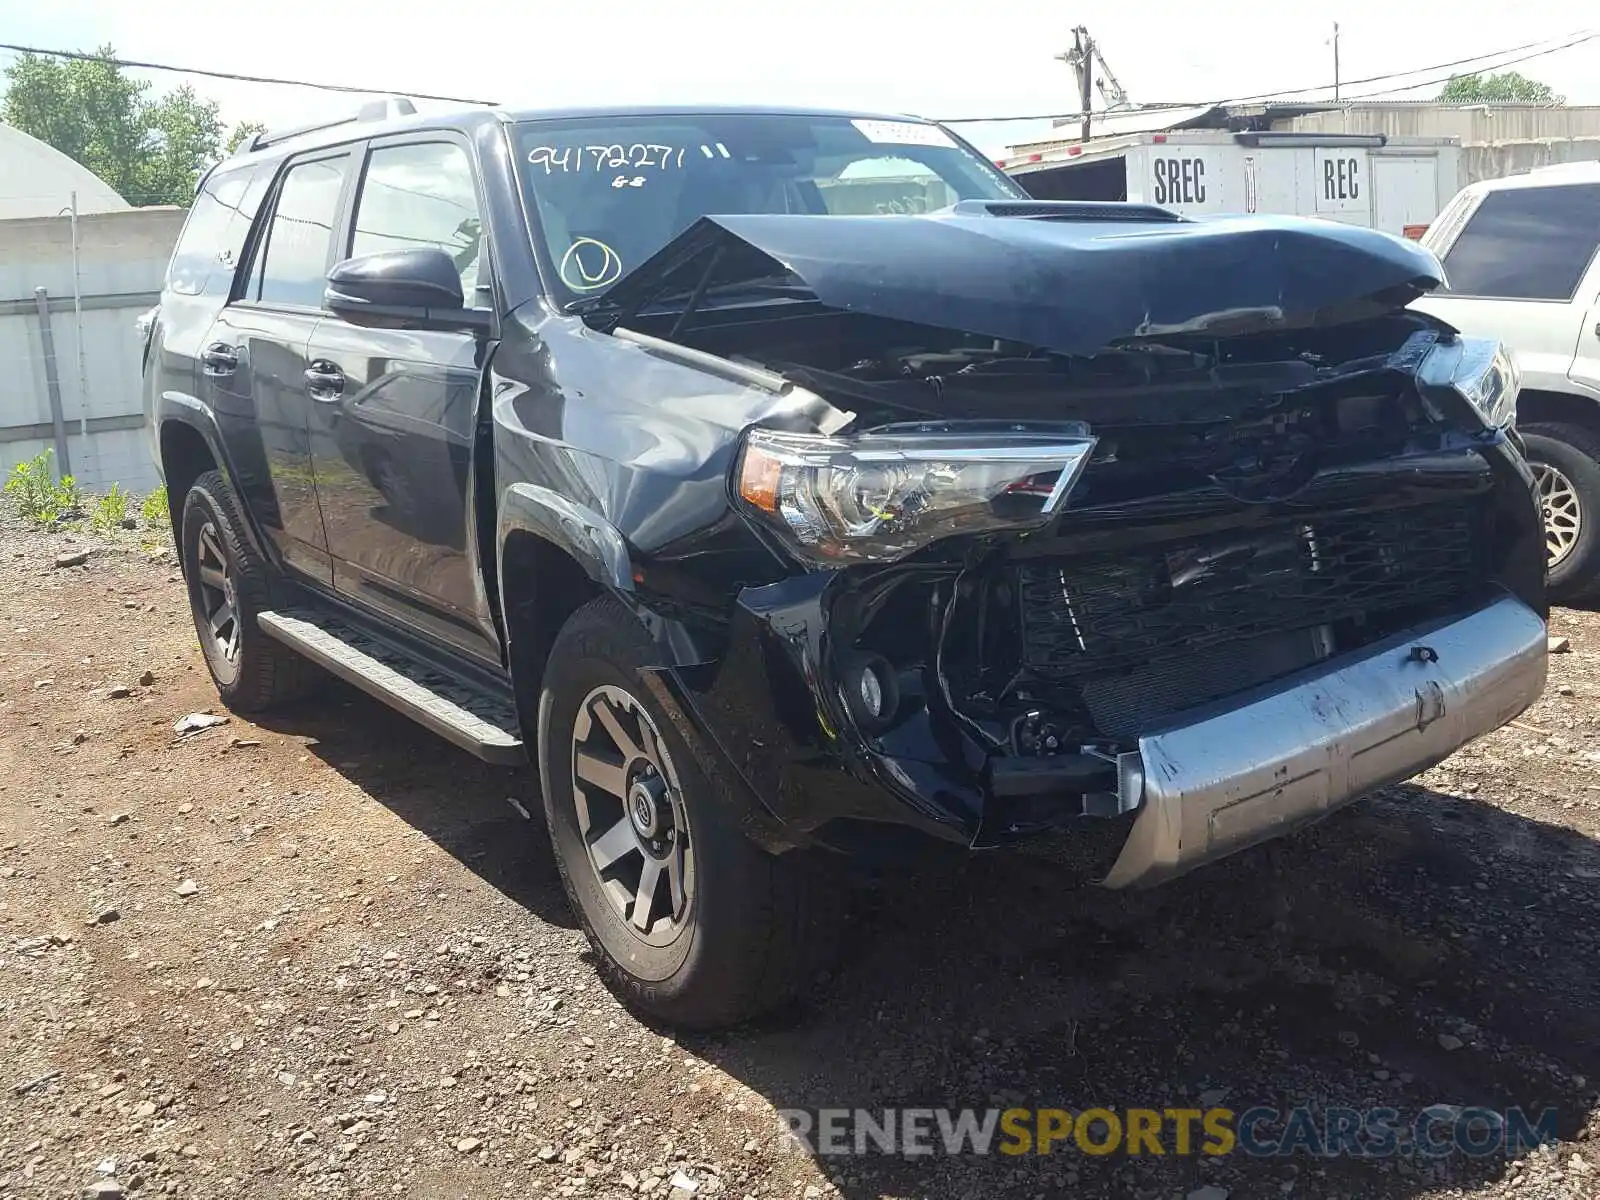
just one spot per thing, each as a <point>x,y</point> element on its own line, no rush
<point>1213,537</point>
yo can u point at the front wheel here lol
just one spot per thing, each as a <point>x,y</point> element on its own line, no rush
<point>691,922</point>
<point>1567,485</point>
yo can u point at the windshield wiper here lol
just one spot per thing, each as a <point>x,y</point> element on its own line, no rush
<point>775,285</point>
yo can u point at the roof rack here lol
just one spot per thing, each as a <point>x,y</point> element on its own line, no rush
<point>374,110</point>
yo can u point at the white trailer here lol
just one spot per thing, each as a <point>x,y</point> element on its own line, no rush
<point>1394,184</point>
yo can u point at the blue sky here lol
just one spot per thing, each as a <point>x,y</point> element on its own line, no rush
<point>938,58</point>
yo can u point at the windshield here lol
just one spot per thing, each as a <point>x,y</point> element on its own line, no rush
<point>611,191</point>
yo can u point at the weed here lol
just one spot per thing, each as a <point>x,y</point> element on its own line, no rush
<point>40,497</point>
<point>110,510</point>
<point>154,509</point>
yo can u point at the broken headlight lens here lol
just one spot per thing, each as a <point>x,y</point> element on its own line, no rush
<point>881,496</point>
<point>1480,371</point>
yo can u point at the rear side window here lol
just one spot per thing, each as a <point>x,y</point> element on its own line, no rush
<point>292,259</point>
<point>1530,243</point>
<point>213,237</point>
<point>420,195</point>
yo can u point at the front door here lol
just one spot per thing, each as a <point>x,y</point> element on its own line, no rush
<point>254,360</point>
<point>394,413</point>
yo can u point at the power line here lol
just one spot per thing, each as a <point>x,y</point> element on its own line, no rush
<point>1344,83</point>
<point>1510,62</point>
<point>1576,40</point>
<point>236,78</point>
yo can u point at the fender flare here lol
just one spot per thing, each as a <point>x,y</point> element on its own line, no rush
<point>602,552</point>
<point>186,410</point>
<point>592,541</point>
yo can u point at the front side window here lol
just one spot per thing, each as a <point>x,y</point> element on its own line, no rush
<point>420,196</point>
<point>1528,243</point>
<point>611,191</point>
<point>293,260</point>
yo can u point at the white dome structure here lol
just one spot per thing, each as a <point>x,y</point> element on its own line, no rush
<point>37,180</point>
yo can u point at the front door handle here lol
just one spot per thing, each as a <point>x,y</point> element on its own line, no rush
<point>325,381</point>
<point>219,359</point>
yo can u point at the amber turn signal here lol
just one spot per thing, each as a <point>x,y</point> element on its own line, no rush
<point>759,477</point>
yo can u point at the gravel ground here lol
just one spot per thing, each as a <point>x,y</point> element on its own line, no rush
<point>323,954</point>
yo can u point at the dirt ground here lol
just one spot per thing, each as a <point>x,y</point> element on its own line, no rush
<point>322,954</point>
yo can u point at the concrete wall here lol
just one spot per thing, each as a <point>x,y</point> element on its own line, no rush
<point>1514,158</point>
<point>1496,139</point>
<point>122,257</point>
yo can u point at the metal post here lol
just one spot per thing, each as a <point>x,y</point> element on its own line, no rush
<point>1336,60</point>
<point>1085,49</point>
<point>77,317</point>
<point>52,381</point>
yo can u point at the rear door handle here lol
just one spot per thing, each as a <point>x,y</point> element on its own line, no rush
<point>324,380</point>
<point>219,359</point>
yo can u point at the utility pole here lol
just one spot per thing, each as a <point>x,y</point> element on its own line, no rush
<point>1081,59</point>
<point>1336,60</point>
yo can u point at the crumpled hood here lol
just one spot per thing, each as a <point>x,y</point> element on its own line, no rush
<point>1074,281</point>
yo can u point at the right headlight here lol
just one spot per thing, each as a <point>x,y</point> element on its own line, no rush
<point>1480,371</point>
<point>879,497</point>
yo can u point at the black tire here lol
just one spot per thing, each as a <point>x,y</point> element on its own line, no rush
<point>756,928</point>
<point>260,672</point>
<point>1572,451</point>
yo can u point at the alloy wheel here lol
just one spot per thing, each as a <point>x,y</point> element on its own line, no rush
<point>631,815</point>
<point>219,597</point>
<point>1561,510</point>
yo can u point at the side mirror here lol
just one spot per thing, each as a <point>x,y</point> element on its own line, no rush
<point>417,289</point>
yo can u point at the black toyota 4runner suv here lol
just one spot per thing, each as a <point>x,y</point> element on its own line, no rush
<point>789,488</point>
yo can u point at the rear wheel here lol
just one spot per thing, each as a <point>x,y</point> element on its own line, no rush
<point>1567,478</point>
<point>691,921</point>
<point>229,583</point>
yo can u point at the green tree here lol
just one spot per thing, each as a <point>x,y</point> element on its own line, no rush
<point>1506,87</point>
<point>151,149</point>
<point>241,131</point>
<point>182,136</point>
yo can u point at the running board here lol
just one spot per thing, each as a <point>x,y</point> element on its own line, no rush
<point>480,723</point>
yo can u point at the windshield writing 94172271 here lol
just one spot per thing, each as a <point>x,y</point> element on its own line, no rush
<point>637,156</point>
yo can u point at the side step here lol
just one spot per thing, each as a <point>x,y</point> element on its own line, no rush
<point>479,722</point>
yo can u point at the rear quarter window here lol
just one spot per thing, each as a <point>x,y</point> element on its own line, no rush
<point>1532,243</point>
<point>213,237</point>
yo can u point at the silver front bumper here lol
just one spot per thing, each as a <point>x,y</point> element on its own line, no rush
<point>1259,766</point>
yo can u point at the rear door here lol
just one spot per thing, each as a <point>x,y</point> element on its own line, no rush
<point>1585,371</point>
<point>254,360</point>
<point>198,283</point>
<point>395,412</point>
<point>1518,269</point>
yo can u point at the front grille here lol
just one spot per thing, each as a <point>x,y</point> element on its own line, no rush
<point>1127,703</point>
<point>1089,617</point>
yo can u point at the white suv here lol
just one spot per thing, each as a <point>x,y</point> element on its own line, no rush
<point>1520,257</point>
